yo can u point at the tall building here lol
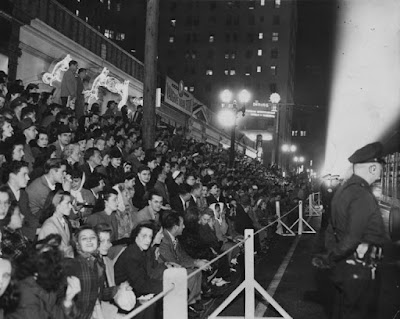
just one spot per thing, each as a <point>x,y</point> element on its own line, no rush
<point>217,45</point>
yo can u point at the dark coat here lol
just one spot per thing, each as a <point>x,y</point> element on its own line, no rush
<point>133,266</point>
<point>139,200</point>
<point>356,218</point>
<point>31,222</point>
<point>36,303</point>
<point>177,205</point>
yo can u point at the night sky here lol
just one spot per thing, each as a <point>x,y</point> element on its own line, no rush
<point>314,54</point>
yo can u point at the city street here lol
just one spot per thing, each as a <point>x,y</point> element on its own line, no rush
<point>305,292</point>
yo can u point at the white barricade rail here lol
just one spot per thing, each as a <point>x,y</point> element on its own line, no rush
<point>175,279</point>
<point>314,207</point>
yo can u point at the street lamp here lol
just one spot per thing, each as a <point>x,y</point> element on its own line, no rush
<point>287,148</point>
<point>227,116</point>
<point>275,98</point>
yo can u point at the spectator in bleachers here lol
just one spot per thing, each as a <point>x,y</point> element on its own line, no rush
<point>13,241</point>
<point>63,139</point>
<point>41,279</point>
<point>172,251</point>
<point>6,129</point>
<point>90,270</point>
<point>160,185</point>
<point>180,202</point>
<point>28,129</point>
<point>195,195</point>
<point>69,84</point>
<point>151,212</point>
<point>143,178</point>
<point>15,176</point>
<point>107,214</point>
<point>40,143</point>
<point>92,158</point>
<point>58,207</point>
<point>39,189</point>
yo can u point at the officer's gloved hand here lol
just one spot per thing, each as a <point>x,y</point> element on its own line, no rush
<point>322,262</point>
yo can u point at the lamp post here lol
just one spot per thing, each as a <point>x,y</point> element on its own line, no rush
<point>227,116</point>
<point>275,98</point>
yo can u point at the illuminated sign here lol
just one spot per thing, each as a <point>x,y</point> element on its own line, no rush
<point>260,113</point>
<point>181,99</point>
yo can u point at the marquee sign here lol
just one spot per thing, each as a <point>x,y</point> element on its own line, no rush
<point>175,96</point>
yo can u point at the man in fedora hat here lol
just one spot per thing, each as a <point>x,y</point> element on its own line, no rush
<point>357,235</point>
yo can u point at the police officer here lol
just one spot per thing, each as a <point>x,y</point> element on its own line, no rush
<point>357,234</point>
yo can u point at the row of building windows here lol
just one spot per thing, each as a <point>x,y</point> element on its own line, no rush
<point>207,87</point>
<point>228,55</point>
<point>110,34</point>
<point>230,20</point>
<point>117,5</point>
<point>211,39</point>
<point>251,4</point>
<point>299,133</point>
<point>273,71</point>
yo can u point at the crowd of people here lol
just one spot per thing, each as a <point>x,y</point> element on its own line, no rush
<point>89,220</point>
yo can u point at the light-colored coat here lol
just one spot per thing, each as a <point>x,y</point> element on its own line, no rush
<point>53,225</point>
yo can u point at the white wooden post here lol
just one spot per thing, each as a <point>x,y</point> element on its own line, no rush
<point>300,230</point>
<point>249,275</point>
<point>279,229</point>
<point>175,303</point>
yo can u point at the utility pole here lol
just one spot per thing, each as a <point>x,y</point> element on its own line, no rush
<point>150,74</point>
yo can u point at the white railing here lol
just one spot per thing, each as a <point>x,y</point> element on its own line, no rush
<point>175,279</point>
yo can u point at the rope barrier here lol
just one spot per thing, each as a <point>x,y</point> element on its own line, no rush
<point>241,242</point>
<point>276,220</point>
<point>149,303</point>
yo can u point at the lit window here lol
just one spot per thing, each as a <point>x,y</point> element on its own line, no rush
<point>277,4</point>
<point>232,72</point>
<point>109,34</point>
<point>118,7</point>
<point>226,72</point>
<point>261,35</point>
<point>102,1</point>
<point>185,88</point>
<point>233,56</point>
<point>258,69</point>
<point>173,22</point>
<point>77,12</point>
<point>211,39</point>
<point>294,133</point>
<point>303,133</point>
<point>87,19</point>
<point>109,4</point>
<point>120,36</point>
<point>259,52</point>
<point>209,72</point>
<point>78,0</point>
<point>275,36</point>
<point>273,70</point>
<point>262,3</point>
<point>226,56</point>
<point>247,74</point>
<point>171,39</point>
<point>191,89</point>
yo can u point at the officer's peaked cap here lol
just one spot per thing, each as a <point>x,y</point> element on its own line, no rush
<point>368,154</point>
